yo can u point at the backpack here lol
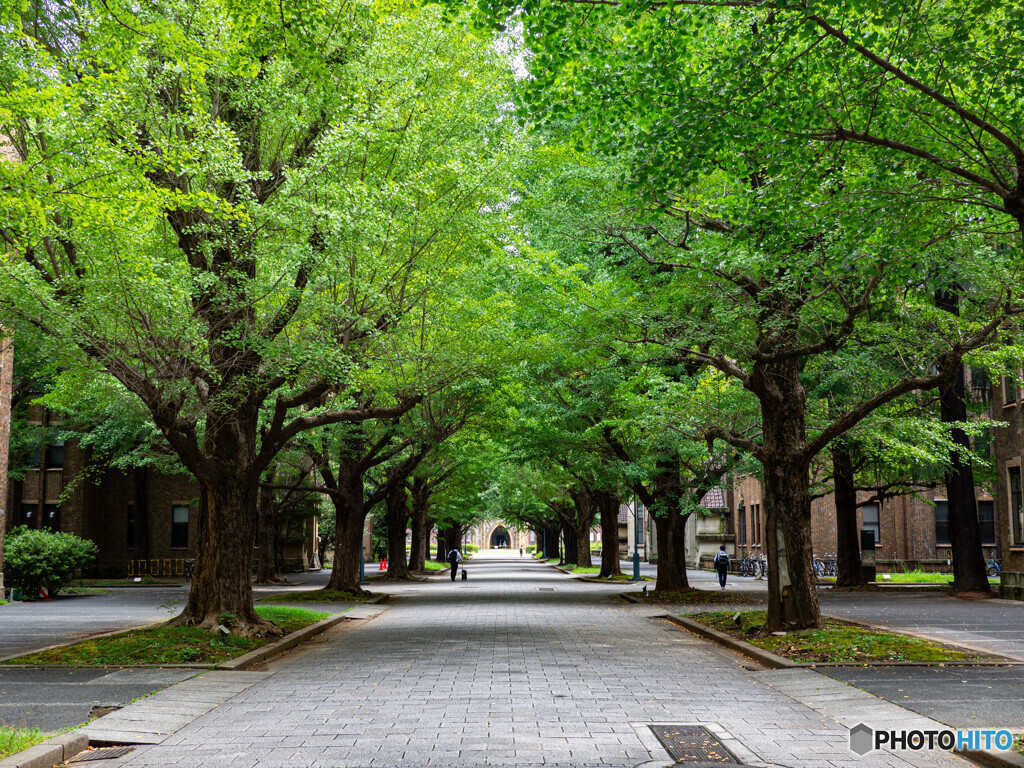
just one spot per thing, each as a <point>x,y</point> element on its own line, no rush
<point>722,558</point>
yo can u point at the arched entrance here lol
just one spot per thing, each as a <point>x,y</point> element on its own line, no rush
<point>500,538</point>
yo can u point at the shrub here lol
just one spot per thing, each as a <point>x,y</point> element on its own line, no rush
<point>44,558</point>
<point>471,549</point>
<point>531,548</point>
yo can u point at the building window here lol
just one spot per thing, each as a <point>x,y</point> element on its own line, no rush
<point>179,526</point>
<point>51,517</point>
<point>130,527</point>
<point>741,525</point>
<point>55,455</point>
<point>869,516</point>
<point>941,521</point>
<point>28,514</point>
<point>1009,390</point>
<point>987,522</point>
<point>755,534</point>
<point>641,531</point>
<point>1016,509</point>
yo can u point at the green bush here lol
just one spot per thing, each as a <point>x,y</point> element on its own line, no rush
<point>44,558</point>
<point>531,548</point>
<point>470,549</point>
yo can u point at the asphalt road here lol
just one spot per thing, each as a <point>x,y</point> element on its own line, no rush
<point>961,697</point>
<point>51,699</point>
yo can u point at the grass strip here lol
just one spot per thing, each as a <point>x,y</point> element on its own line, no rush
<point>920,577</point>
<point>144,581</point>
<point>433,565</point>
<point>171,645</point>
<point>317,596</point>
<point>837,642</point>
<point>700,597</point>
<point>14,740</point>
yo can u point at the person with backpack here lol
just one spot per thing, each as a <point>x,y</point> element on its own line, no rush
<point>454,557</point>
<point>722,565</point>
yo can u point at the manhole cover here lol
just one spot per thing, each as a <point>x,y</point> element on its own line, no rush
<point>692,744</point>
<point>105,753</point>
<point>546,589</point>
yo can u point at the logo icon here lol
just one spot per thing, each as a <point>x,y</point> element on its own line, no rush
<point>861,739</point>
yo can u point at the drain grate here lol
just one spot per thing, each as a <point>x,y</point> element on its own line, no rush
<point>690,744</point>
<point>546,589</point>
<point>106,753</point>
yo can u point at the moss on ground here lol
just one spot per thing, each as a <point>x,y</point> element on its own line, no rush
<point>836,642</point>
<point>171,645</point>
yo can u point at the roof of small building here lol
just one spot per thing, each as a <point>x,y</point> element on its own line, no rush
<point>714,499</point>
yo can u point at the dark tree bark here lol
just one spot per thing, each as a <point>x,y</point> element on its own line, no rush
<point>398,525</point>
<point>223,573</point>
<point>420,497</point>
<point>580,519</point>
<point>969,570</point>
<point>847,541</point>
<point>570,553</point>
<point>792,596</point>
<point>608,506</point>
<point>442,538</point>
<point>266,569</point>
<point>670,529</point>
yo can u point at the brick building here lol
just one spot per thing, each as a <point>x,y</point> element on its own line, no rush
<point>1008,441</point>
<point>910,531</point>
<point>130,514</point>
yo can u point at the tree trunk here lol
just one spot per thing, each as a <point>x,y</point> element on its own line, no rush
<point>548,543</point>
<point>348,546</point>
<point>420,529</point>
<point>350,520</point>
<point>670,528</point>
<point>581,524</point>
<point>266,570</point>
<point>608,506</point>
<point>398,525</point>
<point>847,541</point>
<point>570,552</point>
<point>792,598</point>
<point>442,542</point>
<point>6,394</point>
<point>223,575</point>
<point>969,569</point>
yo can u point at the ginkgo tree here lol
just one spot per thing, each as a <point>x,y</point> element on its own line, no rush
<point>229,206</point>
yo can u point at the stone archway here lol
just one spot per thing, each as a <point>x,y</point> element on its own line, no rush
<point>500,538</point>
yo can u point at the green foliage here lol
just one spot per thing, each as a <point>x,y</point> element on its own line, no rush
<point>172,645</point>
<point>14,740</point>
<point>43,558</point>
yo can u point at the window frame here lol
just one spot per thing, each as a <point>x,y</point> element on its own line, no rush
<point>1016,534</point>
<point>876,526</point>
<point>176,525</point>
<point>945,523</point>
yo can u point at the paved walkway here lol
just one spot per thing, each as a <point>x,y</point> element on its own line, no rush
<point>519,666</point>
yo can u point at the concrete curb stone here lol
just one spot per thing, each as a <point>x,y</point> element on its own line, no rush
<point>286,643</point>
<point>992,758</point>
<point>49,753</point>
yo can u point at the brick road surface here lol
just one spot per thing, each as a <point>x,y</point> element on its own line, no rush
<point>518,666</point>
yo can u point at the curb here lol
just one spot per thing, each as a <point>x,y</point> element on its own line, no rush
<point>766,658</point>
<point>286,643</point>
<point>76,641</point>
<point>984,757</point>
<point>48,753</point>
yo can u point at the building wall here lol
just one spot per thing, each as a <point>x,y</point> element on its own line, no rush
<point>1008,442</point>
<point>906,526</point>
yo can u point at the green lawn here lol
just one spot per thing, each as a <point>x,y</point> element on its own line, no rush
<point>837,642</point>
<point>144,581</point>
<point>16,739</point>
<point>171,645</point>
<point>433,565</point>
<point>920,577</point>
<point>317,596</point>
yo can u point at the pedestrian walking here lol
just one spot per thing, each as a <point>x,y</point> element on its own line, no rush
<point>722,565</point>
<point>520,551</point>
<point>454,557</point>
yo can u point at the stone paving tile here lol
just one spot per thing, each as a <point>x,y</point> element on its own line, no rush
<point>503,674</point>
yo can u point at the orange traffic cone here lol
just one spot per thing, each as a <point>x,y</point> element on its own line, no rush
<point>382,565</point>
